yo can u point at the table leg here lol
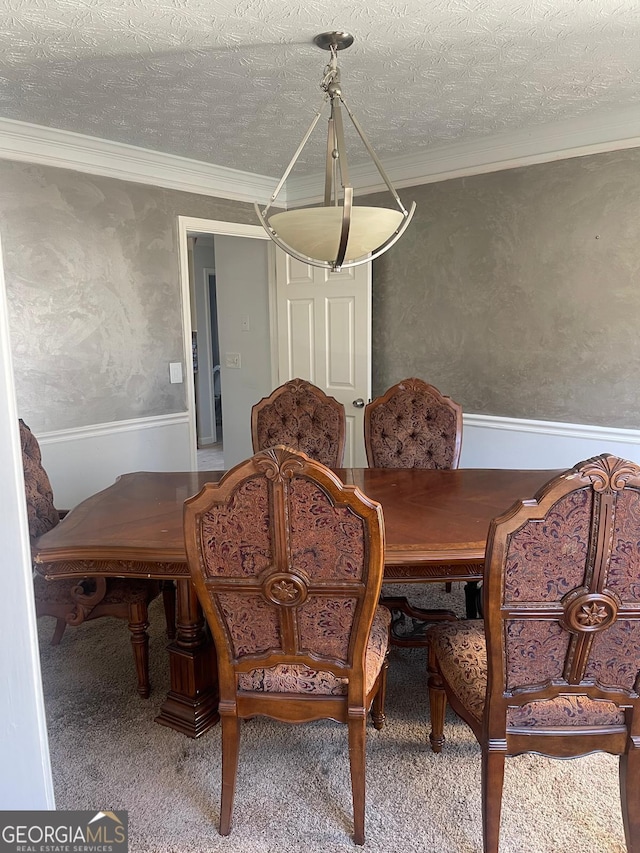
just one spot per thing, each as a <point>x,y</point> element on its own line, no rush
<point>191,706</point>
<point>472,599</point>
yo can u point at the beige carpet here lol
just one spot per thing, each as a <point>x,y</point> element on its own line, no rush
<point>293,790</point>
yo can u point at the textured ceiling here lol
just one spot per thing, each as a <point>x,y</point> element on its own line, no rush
<point>237,83</point>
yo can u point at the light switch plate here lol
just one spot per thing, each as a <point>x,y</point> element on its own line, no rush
<point>232,359</point>
<point>175,372</point>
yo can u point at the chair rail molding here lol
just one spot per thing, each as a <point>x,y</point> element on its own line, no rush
<point>84,460</point>
<point>535,444</point>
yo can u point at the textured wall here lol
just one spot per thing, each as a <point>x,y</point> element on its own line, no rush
<point>518,292</point>
<point>92,276</point>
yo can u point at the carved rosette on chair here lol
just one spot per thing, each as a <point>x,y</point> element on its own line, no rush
<point>287,563</point>
<point>555,666</point>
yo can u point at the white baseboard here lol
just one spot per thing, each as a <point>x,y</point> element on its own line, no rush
<point>206,440</point>
<point>85,460</point>
<point>495,442</point>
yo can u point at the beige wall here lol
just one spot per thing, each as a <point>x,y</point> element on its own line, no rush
<point>92,278</point>
<point>518,292</point>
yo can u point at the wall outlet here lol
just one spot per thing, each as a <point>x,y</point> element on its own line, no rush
<point>175,372</point>
<point>232,359</point>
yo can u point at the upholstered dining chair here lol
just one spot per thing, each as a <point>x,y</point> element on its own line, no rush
<point>302,416</point>
<point>287,563</point>
<point>72,602</point>
<point>413,425</point>
<point>555,666</point>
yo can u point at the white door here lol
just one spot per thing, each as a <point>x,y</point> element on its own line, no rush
<point>324,336</point>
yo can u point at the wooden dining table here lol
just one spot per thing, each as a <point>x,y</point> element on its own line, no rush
<point>436,525</point>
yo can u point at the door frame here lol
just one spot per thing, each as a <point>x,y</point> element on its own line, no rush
<point>205,342</point>
<point>188,224</point>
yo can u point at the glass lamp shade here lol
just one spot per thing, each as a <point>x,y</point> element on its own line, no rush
<point>315,231</point>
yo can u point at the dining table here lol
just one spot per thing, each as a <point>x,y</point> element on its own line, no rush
<point>436,525</point>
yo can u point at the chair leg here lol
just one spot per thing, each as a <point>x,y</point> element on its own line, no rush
<point>138,624</point>
<point>61,624</point>
<point>492,784</point>
<point>377,708</point>
<point>357,736</point>
<point>437,703</point>
<point>169,600</point>
<point>230,752</point>
<point>629,771</point>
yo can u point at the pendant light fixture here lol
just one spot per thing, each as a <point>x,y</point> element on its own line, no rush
<point>339,233</point>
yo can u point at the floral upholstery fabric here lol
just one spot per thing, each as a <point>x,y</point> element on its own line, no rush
<point>413,429</point>
<point>546,559</point>
<point>252,623</point>
<point>624,571</point>
<point>536,651</point>
<point>300,418</point>
<point>326,540</point>
<point>236,540</point>
<point>294,678</point>
<point>461,650</point>
<point>615,655</point>
<point>325,624</point>
<point>41,511</point>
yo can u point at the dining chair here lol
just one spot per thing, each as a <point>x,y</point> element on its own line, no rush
<point>413,425</point>
<point>72,602</point>
<point>554,668</point>
<point>287,563</point>
<point>300,415</point>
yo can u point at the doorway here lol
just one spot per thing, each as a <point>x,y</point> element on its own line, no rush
<point>210,451</point>
<point>227,291</point>
<point>206,353</point>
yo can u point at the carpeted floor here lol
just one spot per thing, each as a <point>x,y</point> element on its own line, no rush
<point>293,793</point>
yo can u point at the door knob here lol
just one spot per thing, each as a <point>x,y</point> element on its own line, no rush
<point>359,403</point>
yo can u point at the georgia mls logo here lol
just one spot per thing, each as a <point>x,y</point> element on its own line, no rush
<point>64,832</point>
<point>118,832</point>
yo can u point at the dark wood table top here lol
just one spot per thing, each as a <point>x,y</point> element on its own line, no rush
<point>430,516</point>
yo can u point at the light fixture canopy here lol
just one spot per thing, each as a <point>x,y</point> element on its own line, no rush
<point>337,234</point>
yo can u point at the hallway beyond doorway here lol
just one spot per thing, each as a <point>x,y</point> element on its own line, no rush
<point>210,458</point>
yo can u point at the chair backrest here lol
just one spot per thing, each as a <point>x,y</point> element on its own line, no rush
<point>562,600</point>
<point>41,511</point>
<point>287,562</point>
<point>300,415</point>
<point>412,425</point>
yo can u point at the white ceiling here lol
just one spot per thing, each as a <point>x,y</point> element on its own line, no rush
<point>236,82</point>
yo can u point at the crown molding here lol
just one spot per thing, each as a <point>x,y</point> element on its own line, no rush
<point>47,146</point>
<point>611,131</point>
<point>31,143</point>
